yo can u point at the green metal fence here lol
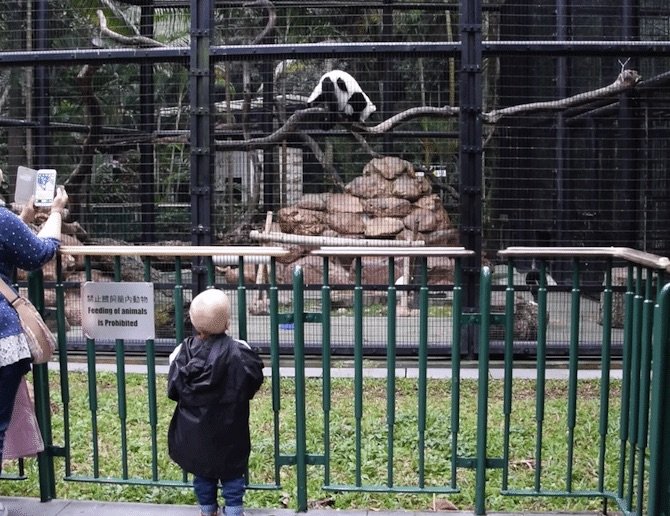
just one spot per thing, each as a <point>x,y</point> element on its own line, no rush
<point>609,419</point>
<point>628,435</point>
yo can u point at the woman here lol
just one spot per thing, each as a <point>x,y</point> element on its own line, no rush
<point>20,247</point>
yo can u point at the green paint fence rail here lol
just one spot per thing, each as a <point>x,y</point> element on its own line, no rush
<point>623,435</point>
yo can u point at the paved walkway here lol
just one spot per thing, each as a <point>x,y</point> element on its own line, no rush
<point>33,507</point>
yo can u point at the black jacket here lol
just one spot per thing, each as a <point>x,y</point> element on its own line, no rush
<point>212,382</point>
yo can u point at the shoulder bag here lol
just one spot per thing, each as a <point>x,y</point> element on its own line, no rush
<point>41,341</point>
<point>23,437</point>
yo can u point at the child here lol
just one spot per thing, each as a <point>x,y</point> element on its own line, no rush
<point>212,377</point>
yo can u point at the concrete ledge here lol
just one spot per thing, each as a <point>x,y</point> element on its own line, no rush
<point>33,507</point>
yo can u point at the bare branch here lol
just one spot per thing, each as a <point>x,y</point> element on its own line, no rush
<point>626,80</point>
<point>417,112</point>
<point>321,158</point>
<point>364,143</point>
<point>136,41</point>
<point>76,181</point>
<point>272,19</point>
<point>289,127</point>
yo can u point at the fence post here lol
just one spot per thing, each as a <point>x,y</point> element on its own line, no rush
<point>483,389</point>
<point>659,441</point>
<point>45,462</point>
<point>300,411</point>
<point>470,154</point>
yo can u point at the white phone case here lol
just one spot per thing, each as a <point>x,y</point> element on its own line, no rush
<point>45,187</point>
<point>25,184</point>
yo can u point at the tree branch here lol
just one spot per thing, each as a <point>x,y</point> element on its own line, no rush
<point>76,181</point>
<point>321,158</point>
<point>272,18</point>
<point>289,127</point>
<point>627,79</point>
<point>417,112</point>
<point>136,41</point>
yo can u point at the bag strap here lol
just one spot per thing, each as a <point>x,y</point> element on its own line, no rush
<point>8,292</point>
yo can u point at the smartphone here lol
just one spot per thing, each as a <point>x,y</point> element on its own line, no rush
<point>45,187</point>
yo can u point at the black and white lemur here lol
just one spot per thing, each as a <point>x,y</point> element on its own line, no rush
<point>341,95</point>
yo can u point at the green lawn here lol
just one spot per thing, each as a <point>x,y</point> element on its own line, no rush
<point>373,453</point>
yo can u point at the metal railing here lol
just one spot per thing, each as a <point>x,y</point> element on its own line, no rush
<point>645,277</point>
<point>616,422</point>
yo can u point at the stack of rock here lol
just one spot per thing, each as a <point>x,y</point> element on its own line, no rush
<point>390,200</point>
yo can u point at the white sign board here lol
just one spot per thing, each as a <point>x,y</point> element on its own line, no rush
<point>118,310</point>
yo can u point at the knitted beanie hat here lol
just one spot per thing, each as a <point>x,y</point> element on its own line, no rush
<point>210,312</point>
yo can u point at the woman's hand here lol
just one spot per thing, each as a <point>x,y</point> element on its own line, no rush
<point>52,226</point>
<point>60,200</point>
<point>27,211</point>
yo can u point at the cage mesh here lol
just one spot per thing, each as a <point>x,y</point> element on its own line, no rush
<point>572,99</point>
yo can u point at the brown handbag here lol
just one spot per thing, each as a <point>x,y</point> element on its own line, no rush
<point>41,341</point>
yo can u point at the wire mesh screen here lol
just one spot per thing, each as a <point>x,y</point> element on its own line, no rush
<point>118,134</point>
<point>482,124</point>
<point>581,170</point>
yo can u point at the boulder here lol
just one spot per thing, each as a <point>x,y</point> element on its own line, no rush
<point>312,202</point>
<point>387,207</point>
<point>368,187</point>
<point>344,203</point>
<point>423,220</point>
<point>383,227</point>
<point>312,267</point>
<point>389,167</point>
<point>410,188</point>
<point>346,223</point>
<point>298,221</point>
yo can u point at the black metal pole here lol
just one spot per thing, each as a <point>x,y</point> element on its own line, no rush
<point>271,185</point>
<point>561,133</point>
<point>388,83</point>
<point>47,477</point>
<point>147,101</point>
<point>631,232</point>
<point>202,132</point>
<point>40,87</point>
<point>470,155</point>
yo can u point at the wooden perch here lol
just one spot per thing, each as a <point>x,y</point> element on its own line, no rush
<point>626,80</point>
<point>261,304</point>
<point>290,126</point>
<point>318,241</point>
<point>417,112</point>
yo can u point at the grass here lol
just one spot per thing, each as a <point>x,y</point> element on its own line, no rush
<point>374,441</point>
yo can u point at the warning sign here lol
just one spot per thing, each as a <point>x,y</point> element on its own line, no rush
<point>118,310</point>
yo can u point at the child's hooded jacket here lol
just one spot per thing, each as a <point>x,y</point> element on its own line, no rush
<point>212,381</point>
